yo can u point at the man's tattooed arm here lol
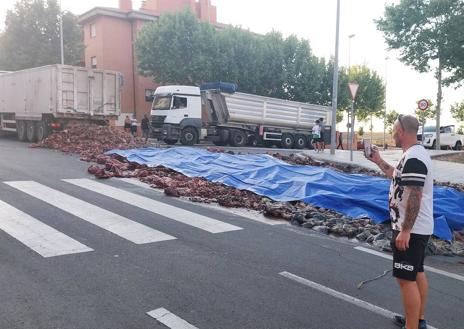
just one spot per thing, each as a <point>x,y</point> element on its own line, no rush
<point>386,168</point>
<point>414,197</point>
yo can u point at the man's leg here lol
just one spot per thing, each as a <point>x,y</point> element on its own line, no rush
<point>411,302</point>
<point>423,286</point>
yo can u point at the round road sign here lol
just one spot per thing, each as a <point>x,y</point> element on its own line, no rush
<point>423,104</point>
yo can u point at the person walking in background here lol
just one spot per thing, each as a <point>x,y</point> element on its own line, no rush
<point>411,214</point>
<point>133,126</point>
<point>340,141</point>
<point>127,124</point>
<point>145,125</point>
<point>316,136</point>
<point>322,141</point>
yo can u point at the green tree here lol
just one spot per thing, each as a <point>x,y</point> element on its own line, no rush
<point>392,115</point>
<point>457,111</point>
<point>176,49</point>
<point>428,34</point>
<point>370,97</point>
<point>32,36</point>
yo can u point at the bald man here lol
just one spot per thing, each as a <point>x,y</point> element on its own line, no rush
<point>411,214</point>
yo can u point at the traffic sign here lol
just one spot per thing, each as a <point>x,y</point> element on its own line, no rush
<point>423,104</point>
<point>353,89</point>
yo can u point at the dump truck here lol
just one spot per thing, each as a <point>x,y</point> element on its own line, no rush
<point>216,112</point>
<point>36,101</point>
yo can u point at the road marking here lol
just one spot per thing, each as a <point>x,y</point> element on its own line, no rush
<point>169,319</point>
<point>245,213</point>
<point>427,268</point>
<point>43,239</point>
<point>347,298</point>
<point>122,226</point>
<point>165,210</point>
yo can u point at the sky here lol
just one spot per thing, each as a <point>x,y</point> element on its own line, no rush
<point>315,20</point>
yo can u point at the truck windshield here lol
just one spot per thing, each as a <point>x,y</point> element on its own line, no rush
<point>162,103</point>
<point>430,129</point>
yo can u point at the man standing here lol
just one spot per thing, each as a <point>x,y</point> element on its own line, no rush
<point>145,125</point>
<point>322,138</point>
<point>411,213</point>
<point>316,136</point>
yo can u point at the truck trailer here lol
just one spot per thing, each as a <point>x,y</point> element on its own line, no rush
<point>36,101</point>
<point>218,113</point>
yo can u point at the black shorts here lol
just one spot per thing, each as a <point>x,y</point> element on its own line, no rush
<point>127,126</point>
<point>406,264</point>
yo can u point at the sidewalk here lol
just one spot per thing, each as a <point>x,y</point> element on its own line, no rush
<point>443,171</point>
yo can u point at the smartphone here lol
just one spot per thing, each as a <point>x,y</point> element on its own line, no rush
<point>367,148</point>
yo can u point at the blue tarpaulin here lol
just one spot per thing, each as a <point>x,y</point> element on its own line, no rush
<point>353,195</point>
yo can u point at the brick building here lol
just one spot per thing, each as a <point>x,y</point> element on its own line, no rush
<point>109,36</point>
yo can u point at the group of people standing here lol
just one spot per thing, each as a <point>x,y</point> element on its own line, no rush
<point>130,125</point>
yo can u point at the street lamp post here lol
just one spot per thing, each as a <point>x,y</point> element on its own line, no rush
<point>385,112</point>
<point>61,36</point>
<point>350,112</point>
<point>333,134</point>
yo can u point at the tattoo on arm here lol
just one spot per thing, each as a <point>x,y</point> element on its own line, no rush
<point>414,197</point>
<point>386,168</point>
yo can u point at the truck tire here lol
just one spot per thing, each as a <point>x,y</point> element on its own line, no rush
<point>287,140</point>
<point>42,130</point>
<point>238,138</point>
<point>458,146</point>
<point>300,142</point>
<point>189,136</point>
<point>31,131</point>
<point>21,130</point>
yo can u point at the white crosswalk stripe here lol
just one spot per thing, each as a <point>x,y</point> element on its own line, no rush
<point>181,215</point>
<point>119,225</point>
<point>41,238</point>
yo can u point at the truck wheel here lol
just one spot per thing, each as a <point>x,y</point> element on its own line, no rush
<point>21,130</point>
<point>300,142</point>
<point>238,138</point>
<point>458,146</point>
<point>31,131</point>
<point>287,141</point>
<point>189,136</point>
<point>42,130</point>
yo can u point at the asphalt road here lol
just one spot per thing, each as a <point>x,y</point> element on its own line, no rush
<point>250,275</point>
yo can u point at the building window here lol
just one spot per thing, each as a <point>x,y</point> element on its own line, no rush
<point>149,95</point>
<point>93,31</point>
<point>93,62</point>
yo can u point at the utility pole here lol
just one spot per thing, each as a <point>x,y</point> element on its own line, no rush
<point>385,112</point>
<point>335,86</point>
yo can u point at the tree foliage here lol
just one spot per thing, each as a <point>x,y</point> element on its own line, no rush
<point>457,111</point>
<point>392,115</point>
<point>370,97</point>
<point>178,49</point>
<point>32,36</point>
<point>428,34</point>
<point>425,31</point>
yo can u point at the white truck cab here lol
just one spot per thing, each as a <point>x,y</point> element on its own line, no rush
<point>176,109</point>
<point>448,137</point>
